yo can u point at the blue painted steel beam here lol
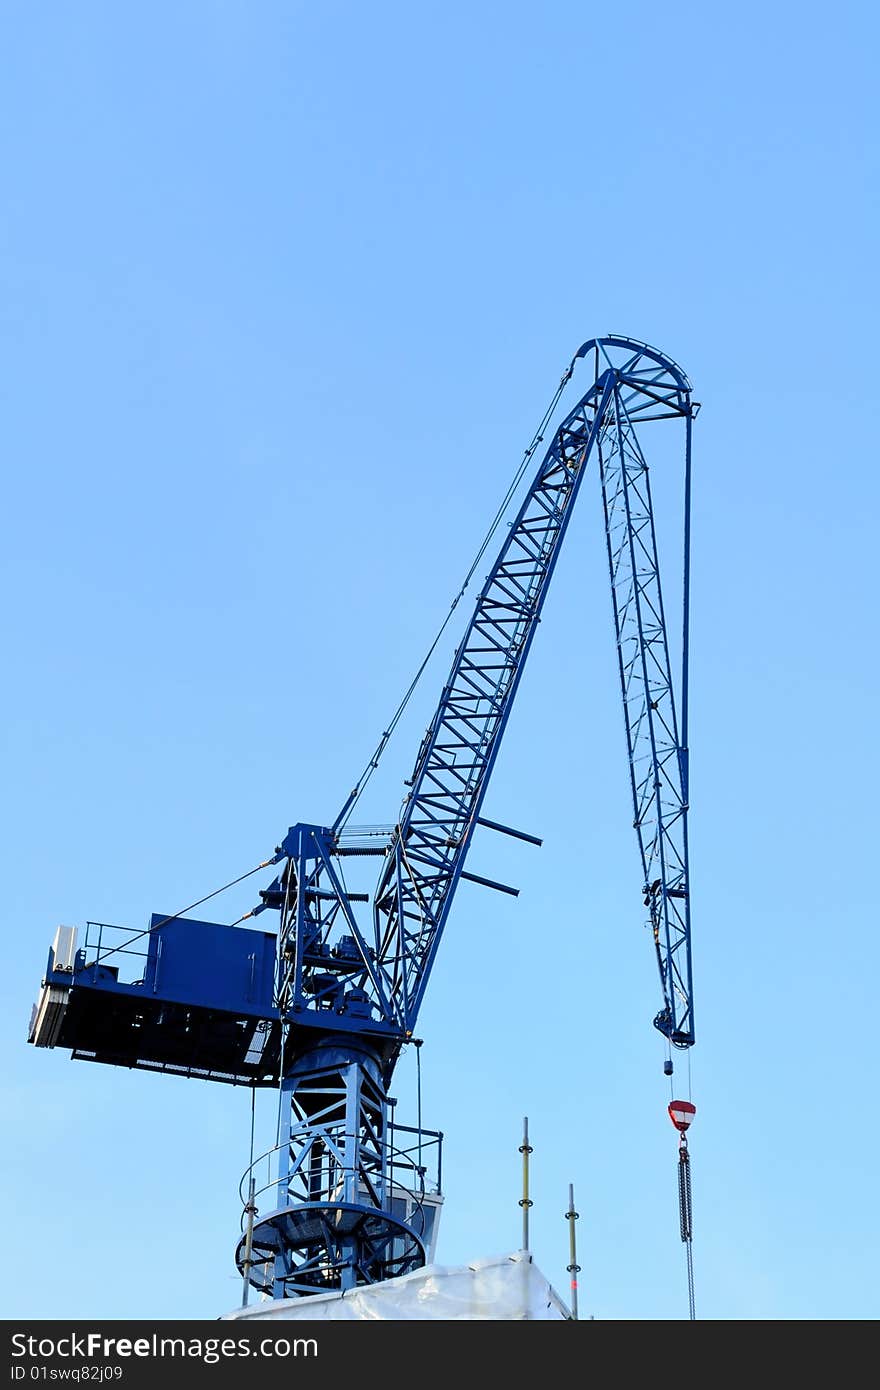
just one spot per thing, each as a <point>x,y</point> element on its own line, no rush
<point>657,757</point>
<point>388,965</point>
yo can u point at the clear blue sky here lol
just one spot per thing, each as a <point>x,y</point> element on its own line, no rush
<point>285,291</point>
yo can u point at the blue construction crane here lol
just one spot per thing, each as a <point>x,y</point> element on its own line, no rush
<point>323,1008</point>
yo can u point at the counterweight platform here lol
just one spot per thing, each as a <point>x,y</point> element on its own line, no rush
<point>201,1003</point>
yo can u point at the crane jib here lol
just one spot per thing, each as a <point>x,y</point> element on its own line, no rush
<point>449,780</point>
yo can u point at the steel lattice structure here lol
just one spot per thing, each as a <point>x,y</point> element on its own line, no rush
<point>323,1009</point>
<point>387,968</point>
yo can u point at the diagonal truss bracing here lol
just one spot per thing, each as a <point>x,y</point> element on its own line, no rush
<point>431,842</point>
<point>657,757</point>
<point>373,974</point>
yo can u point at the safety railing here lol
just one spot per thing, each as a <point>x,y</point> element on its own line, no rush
<point>106,944</point>
<point>411,1171</point>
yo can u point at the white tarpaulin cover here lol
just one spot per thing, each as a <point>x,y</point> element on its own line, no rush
<point>510,1287</point>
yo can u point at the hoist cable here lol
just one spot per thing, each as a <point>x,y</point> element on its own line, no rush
<point>280,1001</point>
<point>373,763</point>
<point>176,916</point>
<point>690,1267</point>
<point>418,1047</point>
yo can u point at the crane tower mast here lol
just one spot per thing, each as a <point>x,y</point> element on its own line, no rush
<point>323,1008</point>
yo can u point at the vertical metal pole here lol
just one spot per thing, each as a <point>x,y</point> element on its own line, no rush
<point>248,1246</point>
<point>573,1267</point>
<point>525,1149</point>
